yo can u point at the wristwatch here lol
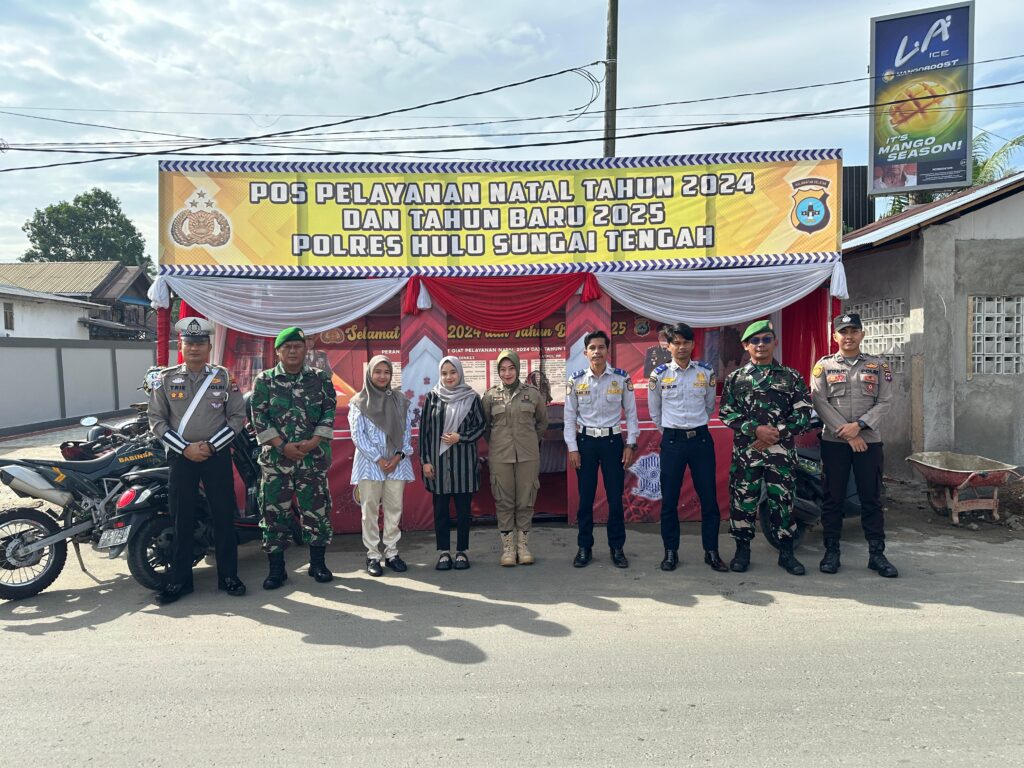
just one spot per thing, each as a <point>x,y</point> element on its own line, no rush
<point>862,424</point>
<point>399,453</point>
<point>631,446</point>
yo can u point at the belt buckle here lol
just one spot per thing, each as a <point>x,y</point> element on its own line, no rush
<point>691,433</point>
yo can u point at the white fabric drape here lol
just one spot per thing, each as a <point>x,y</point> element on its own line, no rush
<point>263,307</point>
<point>714,297</point>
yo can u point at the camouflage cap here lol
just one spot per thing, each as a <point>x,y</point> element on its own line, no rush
<point>756,327</point>
<point>289,334</point>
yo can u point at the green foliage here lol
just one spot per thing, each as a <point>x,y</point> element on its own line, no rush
<point>90,228</point>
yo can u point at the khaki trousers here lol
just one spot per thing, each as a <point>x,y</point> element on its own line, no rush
<point>514,486</point>
<point>373,494</point>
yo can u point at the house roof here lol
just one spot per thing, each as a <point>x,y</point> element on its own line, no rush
<point>87,279</point>
<point>14,292</point>
<point>920,216</point>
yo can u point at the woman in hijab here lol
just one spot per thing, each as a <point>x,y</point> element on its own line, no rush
<point>381,422</point>
<point>451,423</point>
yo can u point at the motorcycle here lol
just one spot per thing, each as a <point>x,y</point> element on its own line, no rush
<point>143,508</point>
<point>33,541</point>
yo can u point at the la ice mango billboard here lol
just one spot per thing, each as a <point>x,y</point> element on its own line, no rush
<point>377,219</point>
<point>921,81</point>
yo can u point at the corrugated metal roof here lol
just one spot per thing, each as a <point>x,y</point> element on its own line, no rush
<point>921,216</point>
<point>77,278</point>
<point>15,292</point>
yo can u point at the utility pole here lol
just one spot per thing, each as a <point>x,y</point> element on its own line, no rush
<point>610,67</point>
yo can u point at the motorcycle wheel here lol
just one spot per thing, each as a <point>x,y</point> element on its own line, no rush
<point>150,552</point>
<point>764,517</point>
<point>28,576</point>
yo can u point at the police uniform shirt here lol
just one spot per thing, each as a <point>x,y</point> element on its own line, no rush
<point>516,422</point>
<point>844,392</point>
<point>681,398</point>
<point>598,401</point>
<point>217,418</point>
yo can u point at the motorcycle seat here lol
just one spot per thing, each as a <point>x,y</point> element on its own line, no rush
<point>92,469</point>
<point>154,473</point>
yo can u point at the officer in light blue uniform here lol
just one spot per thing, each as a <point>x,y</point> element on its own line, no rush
<point>681,399</point>
<point>595,401</point>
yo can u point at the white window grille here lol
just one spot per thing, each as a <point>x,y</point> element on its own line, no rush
<point>885,331</point>
<point>997,331</point>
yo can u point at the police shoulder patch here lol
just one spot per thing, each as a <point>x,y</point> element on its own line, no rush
<point>818,370</point>
<point>629,385</point>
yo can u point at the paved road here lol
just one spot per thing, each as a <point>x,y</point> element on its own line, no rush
<point>545,665</point>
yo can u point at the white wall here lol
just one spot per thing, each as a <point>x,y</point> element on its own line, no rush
<point>45,320</point>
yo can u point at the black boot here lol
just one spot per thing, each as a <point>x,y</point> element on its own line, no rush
<point>830,562</point>
<point>877,561</point>
<point>317,567</point>
<point>277,575</point>
<point>741,560</point>
<point>788,560</point>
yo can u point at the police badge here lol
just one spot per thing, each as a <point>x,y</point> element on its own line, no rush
<point>810,205</point>
<point>199,223</point>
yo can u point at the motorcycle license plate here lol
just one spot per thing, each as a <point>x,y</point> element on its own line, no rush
<point>114,537</point>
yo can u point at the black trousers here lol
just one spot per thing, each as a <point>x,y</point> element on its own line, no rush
<point>698,453</point>
<point>443,525</point>
<point>836,460</point>
<point>604,453</point>
<point>183,497</point>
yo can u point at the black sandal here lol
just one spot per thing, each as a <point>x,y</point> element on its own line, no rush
<point>461,561</point>
<point>444,562</point>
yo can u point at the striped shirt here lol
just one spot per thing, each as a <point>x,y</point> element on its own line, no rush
<point>372,444</point>
<point>457,469</point>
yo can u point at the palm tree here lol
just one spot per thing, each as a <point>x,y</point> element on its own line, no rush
<point>987,167</point>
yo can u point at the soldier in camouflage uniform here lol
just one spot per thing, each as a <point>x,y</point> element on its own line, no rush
<point>293,414</point>
<point>766,404</point>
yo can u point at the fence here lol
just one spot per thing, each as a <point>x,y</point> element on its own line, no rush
<point>49,382</point>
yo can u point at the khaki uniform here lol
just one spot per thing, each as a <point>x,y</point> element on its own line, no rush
<point>217,418</point>
<point>843,393</point>
<point>516,420</point>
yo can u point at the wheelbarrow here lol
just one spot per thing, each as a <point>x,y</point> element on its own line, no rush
<point>948,474</point>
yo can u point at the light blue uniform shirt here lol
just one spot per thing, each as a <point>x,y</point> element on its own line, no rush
<point>599,401</point>
<point>681,398</point>
<point>372,444</point>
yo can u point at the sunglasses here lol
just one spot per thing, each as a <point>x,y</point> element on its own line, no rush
<point>756,340</point>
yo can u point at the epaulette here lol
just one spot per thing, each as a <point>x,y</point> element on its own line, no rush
<point>702,364</point>
<point>660,369</point>
<point>620,372</point>
<point>578,373</point>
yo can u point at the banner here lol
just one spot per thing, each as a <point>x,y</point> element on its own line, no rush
<point>381,219</point>
<point>922,75</point>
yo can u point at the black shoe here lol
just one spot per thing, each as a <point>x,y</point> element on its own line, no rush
<point>583,556</point>
<point>619,559</point>
<point>712,558</point>
<point>277,574</point>
<point>444,562</point>
<point>173,593</point>
<point>317,567</point>
<point>232,585</point>
<point>741,560</point>
<point>671,560</point>
<point>877,561</point>
<point>461,561</point>
<point>397,564</point>
<point>373,567</point>
<point>787,559</point>
<point>830,562</point>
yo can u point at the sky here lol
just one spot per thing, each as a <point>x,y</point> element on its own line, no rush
<point>237,68</point>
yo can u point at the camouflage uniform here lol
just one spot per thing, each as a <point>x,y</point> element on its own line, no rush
<point>294,407</point>
<point>754,396</point>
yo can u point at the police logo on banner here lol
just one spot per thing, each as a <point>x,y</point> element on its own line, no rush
<point>810,205</point>
<point>200,223</point>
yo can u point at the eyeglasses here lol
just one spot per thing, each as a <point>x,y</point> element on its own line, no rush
<point>757,340</point>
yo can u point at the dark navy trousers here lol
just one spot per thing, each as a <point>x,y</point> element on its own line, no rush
<point>604,453</point>
<point>698,453</point>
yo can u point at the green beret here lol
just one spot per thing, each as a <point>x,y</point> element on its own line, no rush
<point>756,327</point>
<point>289,334</point>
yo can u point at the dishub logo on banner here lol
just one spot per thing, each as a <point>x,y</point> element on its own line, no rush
<point>921,81</point>
<point>501,218</point>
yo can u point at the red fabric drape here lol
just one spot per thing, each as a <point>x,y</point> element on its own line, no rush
<point>163,336</point>
<point>805,331</point>
<point>412,295</point>
<point>503,303</point>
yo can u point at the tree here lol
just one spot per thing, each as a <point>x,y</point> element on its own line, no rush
<point>90,228</point>
<point>987,166</point>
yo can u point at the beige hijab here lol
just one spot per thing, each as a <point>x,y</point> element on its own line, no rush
<point>386,408</point>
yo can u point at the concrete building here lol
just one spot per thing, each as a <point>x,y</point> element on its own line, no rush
<point>941,290</point>
<point>43,315</point>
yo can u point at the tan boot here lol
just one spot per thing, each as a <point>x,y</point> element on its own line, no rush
<point>523,553</point>
<point>508,549</point>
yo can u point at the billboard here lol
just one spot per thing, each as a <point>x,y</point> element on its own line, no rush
<point>384,219</point>
<point>921,79</point>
